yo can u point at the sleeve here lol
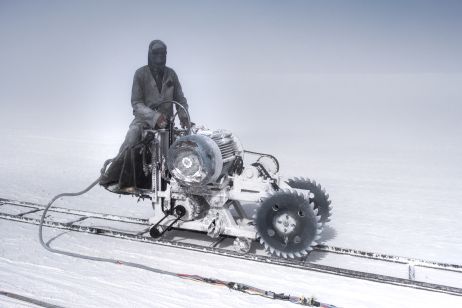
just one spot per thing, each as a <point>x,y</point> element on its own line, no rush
<point>137,90</point>
<point>140,110</point>
<point>179,96</point>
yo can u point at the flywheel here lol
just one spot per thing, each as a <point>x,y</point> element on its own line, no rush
<point>287,224</point>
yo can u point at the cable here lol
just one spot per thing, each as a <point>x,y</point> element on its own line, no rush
<point>28,299</point>
<point>81,256</point>
<point>232,285</point>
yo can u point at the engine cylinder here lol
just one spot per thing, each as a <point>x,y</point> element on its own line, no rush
<point>225,143</point>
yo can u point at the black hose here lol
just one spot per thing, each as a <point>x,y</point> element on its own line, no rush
<point>102,172</point>
<point>231,285</point>
<point>81,256</point>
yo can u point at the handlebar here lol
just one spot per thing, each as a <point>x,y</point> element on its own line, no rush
<point>172,119</point>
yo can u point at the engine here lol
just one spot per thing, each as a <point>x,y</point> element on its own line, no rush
<point>196,180</point>
<point>203,158</point>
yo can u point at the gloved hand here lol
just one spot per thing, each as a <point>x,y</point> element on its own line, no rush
<point>184,121</point>
<point>161,121</point>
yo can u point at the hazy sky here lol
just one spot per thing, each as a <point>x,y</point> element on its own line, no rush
<point>332,66</point>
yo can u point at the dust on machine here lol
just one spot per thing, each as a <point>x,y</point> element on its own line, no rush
<point>200,179</point>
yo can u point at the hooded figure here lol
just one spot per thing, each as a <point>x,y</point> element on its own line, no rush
<point>152,84</point>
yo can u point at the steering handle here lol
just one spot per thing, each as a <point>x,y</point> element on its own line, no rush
<point>172,119</point>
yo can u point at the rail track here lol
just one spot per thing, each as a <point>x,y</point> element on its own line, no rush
<point>22,212</point>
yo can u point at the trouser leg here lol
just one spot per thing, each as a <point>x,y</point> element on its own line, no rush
<point>124,170</point>
<point>132,137</point>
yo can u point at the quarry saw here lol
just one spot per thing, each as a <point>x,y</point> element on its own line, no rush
<point>203,180</point>
<point>197,180</point>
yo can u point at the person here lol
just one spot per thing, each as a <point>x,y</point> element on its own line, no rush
<point>152,84</point>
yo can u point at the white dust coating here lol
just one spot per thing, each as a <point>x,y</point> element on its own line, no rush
<point>377,207</point>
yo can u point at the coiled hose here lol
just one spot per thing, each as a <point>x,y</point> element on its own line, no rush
<point>231,285</point>
<point>93,184</point>
<point>82,256</point>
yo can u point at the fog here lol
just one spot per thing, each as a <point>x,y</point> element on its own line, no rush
<point>297,74</point>
<point>365,97</point>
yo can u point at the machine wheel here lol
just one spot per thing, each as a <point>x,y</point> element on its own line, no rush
<point>287,224</point>
<point>320,198</point>
<point>242,244</point>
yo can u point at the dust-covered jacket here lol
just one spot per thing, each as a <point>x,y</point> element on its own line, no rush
<point>146,96</point>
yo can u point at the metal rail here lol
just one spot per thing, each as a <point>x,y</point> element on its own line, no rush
<point>300,264</point>
<point>320,248</point>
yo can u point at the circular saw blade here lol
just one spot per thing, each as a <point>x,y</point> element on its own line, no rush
<point>288,224</point>
<point>320,199</point>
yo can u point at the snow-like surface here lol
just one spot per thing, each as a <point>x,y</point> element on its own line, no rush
<point>399,201</point>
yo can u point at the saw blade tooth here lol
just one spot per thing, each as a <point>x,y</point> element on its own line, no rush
<point>318,186</point>
<point>262,241</point>
<point>319,225</point>
<point>284,255</point>
<point>308,197</point>
<point>278,253</point>
<point>311,248</point>
<point>303,252</point>
<point>314,182</point>
<point>329,202</point>
<point>271,249</point>
<point>307,179</point>
<point>296,179</point>
<point>291,255</point>
<point>330,208</point>
<point>327,196</point>
<point>297,254</point>
<point>312,205</point>
<point>315,210</point>
<point>323,191</point>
